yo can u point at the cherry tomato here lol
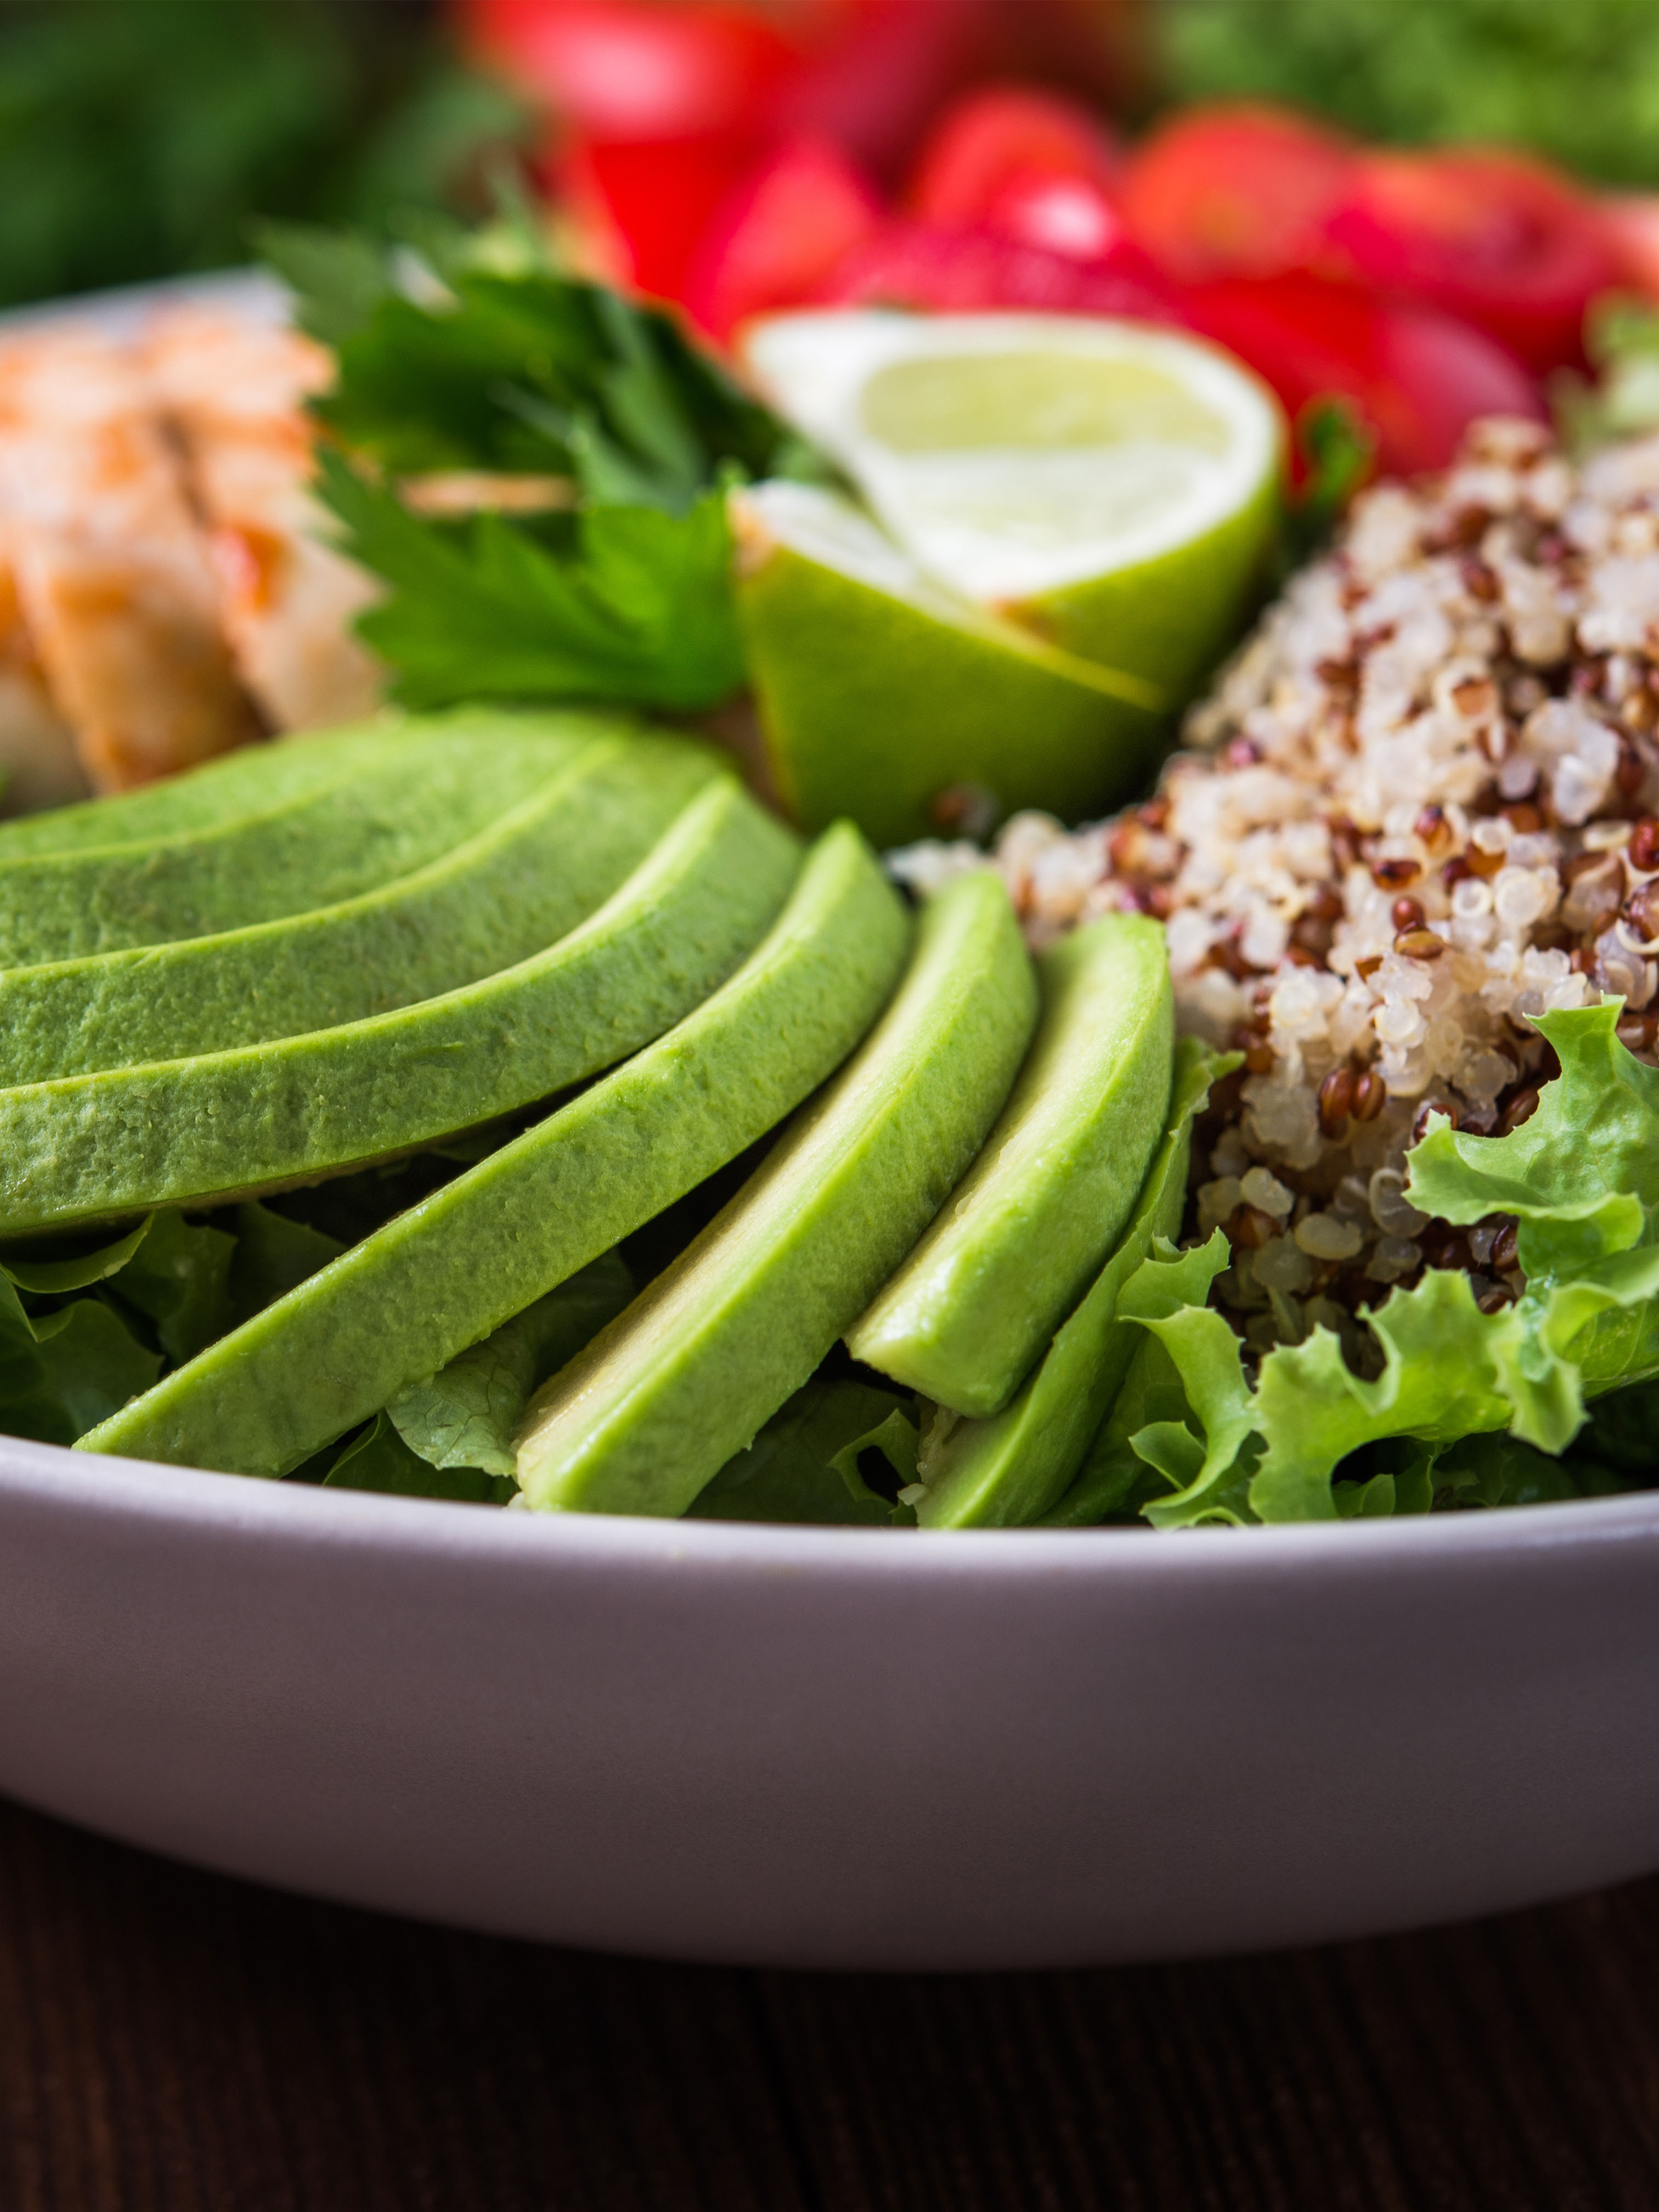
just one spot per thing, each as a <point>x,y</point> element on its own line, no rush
<point>877,72</point>
<point>1417,376</point>
<point>784,232</point>
<point>1499,239</point>
<point>1027,164</point>
<point>1234,192</point>
<point>637,69</point>
<point>962,269</point>
<point>640,208</point>
<point>1632,228</point>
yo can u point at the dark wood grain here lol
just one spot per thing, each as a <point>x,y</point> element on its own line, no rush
<point>174,2043</point>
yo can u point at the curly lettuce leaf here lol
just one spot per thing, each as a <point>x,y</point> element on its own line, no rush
<point>1582,1179</point>
<point>811,1462</point>
<point>1114,1482</point>
<point>61,1373</point>
<point>467,1415</point>
<point>451,1436</point>
<point>1203,1454</point>
<point>1487,1471</point>
<point>178,1276</point>
<point>378,1459</point>
<point>274,1255</point>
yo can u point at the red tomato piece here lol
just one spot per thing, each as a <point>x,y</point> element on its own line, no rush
<point>962,270</point>
<point>1234,192</point>
<point>877,72</point>
<point>638,70</point>
<point>1003,134</point>
<point>641,209</point>
<point>1027,164</point>
<point>1632,224</point>
<point>1417,376</point>
<point>784,232</point>
<point>1499,239</point>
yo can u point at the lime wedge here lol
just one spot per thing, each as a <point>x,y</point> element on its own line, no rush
<point>886,697</point>
<point>1110,487</point>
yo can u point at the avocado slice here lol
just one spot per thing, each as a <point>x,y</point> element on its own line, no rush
<point>200,797</point>
<point>661,1399</point>
<point>504,894</point>
<point>260,776</point>
<point>1008,1471</point>
<point>390,807</point>
<point>975,1303</point>
<point>229,1124</point>
<point>403,1302</point>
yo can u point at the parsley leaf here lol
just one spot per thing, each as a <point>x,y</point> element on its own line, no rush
<point>616,603</point>
<point>468,352</point>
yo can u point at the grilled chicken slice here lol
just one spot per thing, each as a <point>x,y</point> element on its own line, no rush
<point>39,764</point>
<point>107,565</point>
<point>234,388</point>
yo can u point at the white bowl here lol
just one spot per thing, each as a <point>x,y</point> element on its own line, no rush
<point>822,1747</point>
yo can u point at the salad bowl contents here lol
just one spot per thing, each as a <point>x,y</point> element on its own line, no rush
<point>704,1066</point>
<point>446,1011</point>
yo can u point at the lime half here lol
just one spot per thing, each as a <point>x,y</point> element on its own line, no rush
<point>1110,487</point>
<point>887,697</point>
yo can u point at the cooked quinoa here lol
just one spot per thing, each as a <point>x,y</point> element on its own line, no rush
<point>1420,807</point>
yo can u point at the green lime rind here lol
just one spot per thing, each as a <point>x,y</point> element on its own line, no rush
<point>664,1397</point>
<point>878,704</point>
<point>1172,618</point>
<point>1031,1224</point>
<point>1017,1468</point>
<point>501,895</point>
<point>390,807</point>
<point>400,1305</point>
<point>234,1123</point>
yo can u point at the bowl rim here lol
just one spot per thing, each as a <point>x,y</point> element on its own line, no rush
<point>306,1519</point>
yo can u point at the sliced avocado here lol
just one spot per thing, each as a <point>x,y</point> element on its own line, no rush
<point>403,1302</point>
<point>1008,1471</point>
<point>219,790</point>
<point>497,899</point>
<point>391,806</point>
<point>261,776</point>
<point>975,1303</point>
<point>663,1398</point>
<point>233,1124</point>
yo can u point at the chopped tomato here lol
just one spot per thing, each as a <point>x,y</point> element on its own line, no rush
<point>1500,240</point>
<point>1025,163</point>
<point>640,208</point>
<point>1632,225</point>
<point>963,270</point>
<point>784,232</point>
<point>638,70</point>
<point>1417,377</point>
<point>877,72</point>
<point>1234,192</point>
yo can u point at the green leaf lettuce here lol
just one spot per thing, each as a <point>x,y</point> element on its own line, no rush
<point>1582,1179</point>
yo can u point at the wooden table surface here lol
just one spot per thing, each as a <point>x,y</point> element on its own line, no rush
<point>170,2042</point>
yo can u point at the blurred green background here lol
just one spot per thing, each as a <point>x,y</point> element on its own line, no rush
<point>1575,80</point>
<point>138,138</point>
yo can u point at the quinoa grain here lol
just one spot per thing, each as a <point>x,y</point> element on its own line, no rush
<point>1419,808</point>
